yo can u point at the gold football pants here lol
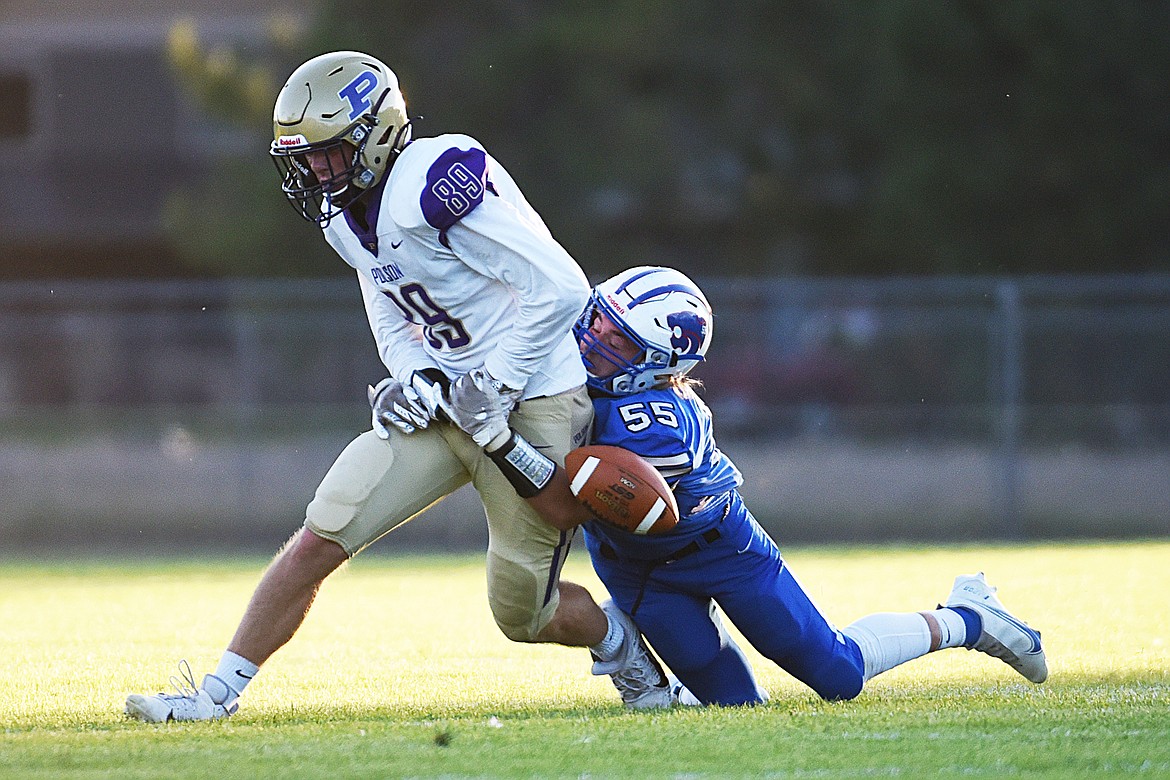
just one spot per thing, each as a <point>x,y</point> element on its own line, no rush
<point>376,485</point>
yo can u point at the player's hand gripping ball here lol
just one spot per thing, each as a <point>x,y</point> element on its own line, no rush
<point>621,489</point>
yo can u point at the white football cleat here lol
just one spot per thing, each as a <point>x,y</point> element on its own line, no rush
<point>189,703</point>
<point>1004,636</point>
<point>636,673</point>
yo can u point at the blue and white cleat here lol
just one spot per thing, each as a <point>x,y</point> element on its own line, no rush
<point>1004,636</point>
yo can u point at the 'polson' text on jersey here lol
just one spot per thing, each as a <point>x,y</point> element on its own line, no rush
<point>386,273</point>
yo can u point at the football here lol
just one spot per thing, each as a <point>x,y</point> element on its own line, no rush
<point>621,488</point>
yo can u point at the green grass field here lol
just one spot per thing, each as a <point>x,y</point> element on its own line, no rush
<point>400,672</point>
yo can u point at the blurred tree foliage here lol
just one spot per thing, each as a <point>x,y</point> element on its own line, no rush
<point>762,137</point>
<point>236,222</point>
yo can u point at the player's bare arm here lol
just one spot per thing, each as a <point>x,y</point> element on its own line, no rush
<point>611,484</point>
<point>476,405</point>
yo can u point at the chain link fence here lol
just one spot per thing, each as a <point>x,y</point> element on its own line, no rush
<point>168,413</point>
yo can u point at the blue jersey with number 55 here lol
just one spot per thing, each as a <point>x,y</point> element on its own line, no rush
<point>672,430</point>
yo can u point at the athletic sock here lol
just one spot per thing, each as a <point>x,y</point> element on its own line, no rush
<point>607,648</point>
<point>973,625</point>
<point>888,639</point>
<point>235,671</point>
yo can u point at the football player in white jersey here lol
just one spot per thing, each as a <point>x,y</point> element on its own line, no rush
<point>459,274</point>
<point>643,331</point>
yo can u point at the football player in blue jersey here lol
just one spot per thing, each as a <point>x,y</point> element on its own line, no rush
<point>641,333</point>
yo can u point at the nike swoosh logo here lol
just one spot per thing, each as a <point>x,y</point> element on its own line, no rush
<point>245,676</point>
<point>1033,635</point>
<point>395,244</point>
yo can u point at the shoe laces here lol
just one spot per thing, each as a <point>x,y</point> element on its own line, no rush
<point>184,685</point>
<point>186,696</point>
<point>185,702</point>
<point>640,673</point>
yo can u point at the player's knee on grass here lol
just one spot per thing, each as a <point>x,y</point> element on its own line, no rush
<point>522,605</point>
<point>727,680</point>
<point>835,677</point>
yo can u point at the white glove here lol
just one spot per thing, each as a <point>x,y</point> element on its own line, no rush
<point>394,403</point>
<point>430,385</point>
<point>406,407</point>
<point>479,405</point>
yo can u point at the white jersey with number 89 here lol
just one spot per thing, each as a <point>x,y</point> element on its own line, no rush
<point>458,271</point>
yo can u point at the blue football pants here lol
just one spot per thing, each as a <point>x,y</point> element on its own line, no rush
<point>742,571</point>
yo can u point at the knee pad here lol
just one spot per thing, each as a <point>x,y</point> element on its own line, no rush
<point>517,632</point>
<point>518,601</point>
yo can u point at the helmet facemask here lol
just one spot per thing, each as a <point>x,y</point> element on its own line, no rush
<point>321,200</point>
<point>599,357</point>
<point>662,313</point>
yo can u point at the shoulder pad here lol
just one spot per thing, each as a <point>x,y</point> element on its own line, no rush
<point>438,181</point>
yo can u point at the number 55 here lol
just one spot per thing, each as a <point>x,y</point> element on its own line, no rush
<point>638,420</point>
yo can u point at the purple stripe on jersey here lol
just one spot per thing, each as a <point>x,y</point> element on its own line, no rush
<point>372,204</point>
<point>456,183</point>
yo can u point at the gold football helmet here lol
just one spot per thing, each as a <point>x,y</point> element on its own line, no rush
<point>347,105</point>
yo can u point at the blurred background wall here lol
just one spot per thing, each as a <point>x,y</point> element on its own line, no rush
<point>934,236</point>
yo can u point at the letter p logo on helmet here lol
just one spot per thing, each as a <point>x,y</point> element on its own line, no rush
<point>357,93</point>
